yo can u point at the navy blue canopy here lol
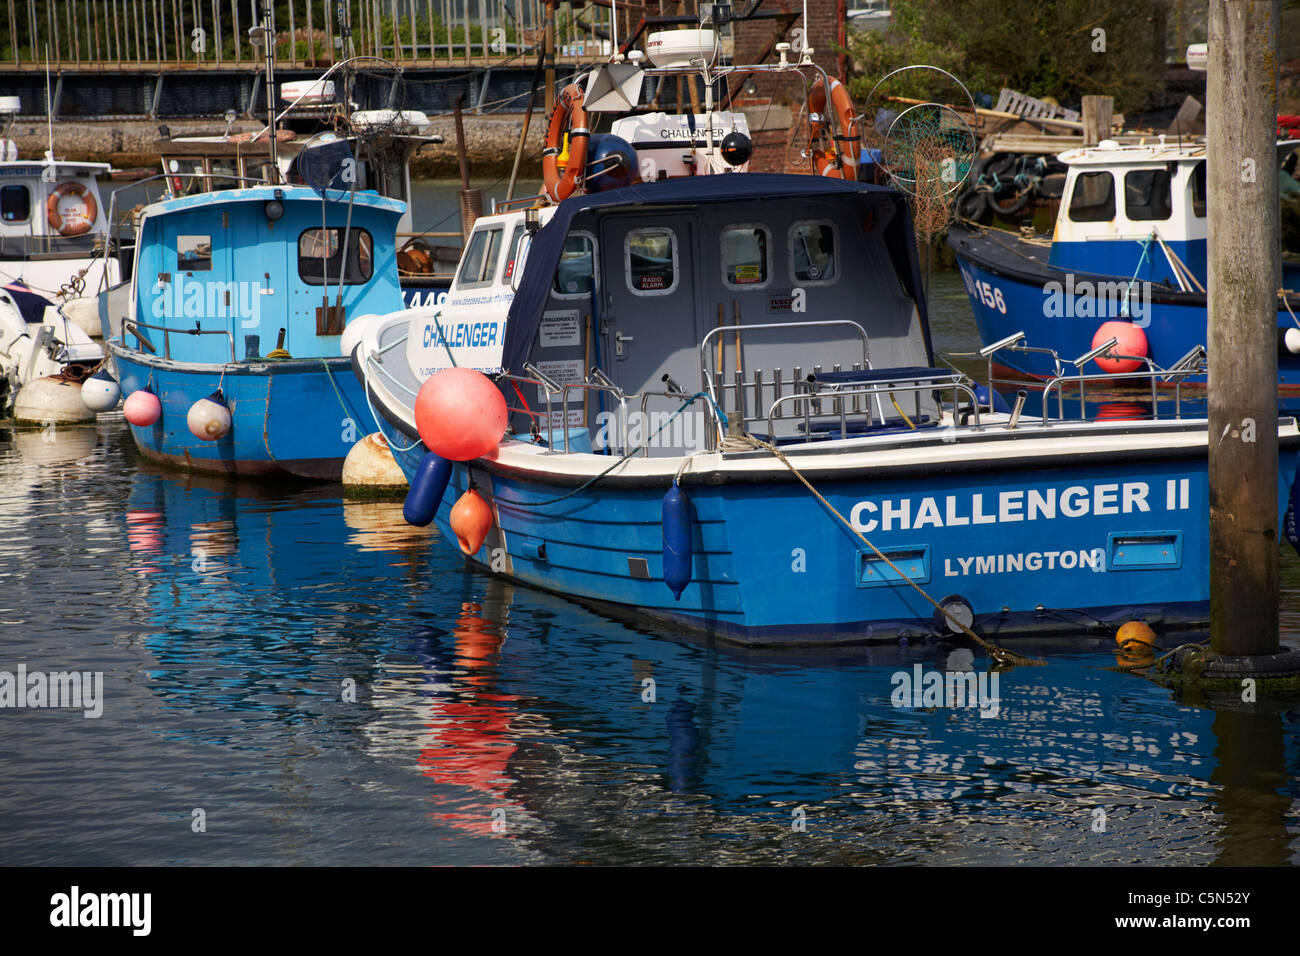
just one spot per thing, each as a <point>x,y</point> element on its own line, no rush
<point>30,304</point>
<point>544,254</point>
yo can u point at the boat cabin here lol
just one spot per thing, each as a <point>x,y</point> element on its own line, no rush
<point>755,289</point>
<point>1117,198</point>
<point>222,274</point>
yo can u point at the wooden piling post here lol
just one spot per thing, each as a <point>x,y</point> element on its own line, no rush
<point>1097,114</point>
<point>1244,276</point>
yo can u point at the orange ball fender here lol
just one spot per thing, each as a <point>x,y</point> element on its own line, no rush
<point>460,414</point>
<point>471,520</point>
<point>1131,341</point>
<point>841,160</point>
<point>568,116</point>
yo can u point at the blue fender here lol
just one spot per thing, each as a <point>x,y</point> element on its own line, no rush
<point>677,540</point>
<point>427,487</point>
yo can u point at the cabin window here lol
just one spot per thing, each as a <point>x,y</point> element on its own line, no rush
<point>225,174</point>
<point>577,269</point>
<point>812,252</point>
<point>15,204</point>
<point>479,265</point>
<point>257,169</point>
<point>189,176</point>
<point>321,256</point>
<point>651,261</point>
<point>1198,190</point>
<point>1147,195</point>
<point>1094,198</point>
<point>513,258</point>
<point>193,253</point>
<point>745,256</point>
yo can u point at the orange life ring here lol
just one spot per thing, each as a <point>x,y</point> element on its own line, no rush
<point>841,160</point>
<point>89,210</point>
<point>568,117</point>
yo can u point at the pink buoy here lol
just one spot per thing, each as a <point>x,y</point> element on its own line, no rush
<point>1131,341</point>
<point>142,408</point>
<point>460,414</point>
<point>209,418</point>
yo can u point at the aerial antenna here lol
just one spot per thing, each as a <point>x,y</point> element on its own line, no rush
<point>49,111</point>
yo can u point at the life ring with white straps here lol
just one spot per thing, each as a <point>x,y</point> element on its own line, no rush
<point>86,209</point>
<point>567,133</point>
<point>848,143</point>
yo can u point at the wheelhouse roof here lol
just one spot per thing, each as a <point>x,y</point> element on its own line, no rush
<point>255,194</point>
<point>548,244</point>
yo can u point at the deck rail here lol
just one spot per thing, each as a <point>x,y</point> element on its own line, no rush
<point>143,341</point>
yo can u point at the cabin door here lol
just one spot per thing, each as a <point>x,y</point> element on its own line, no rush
<point>651,322</point>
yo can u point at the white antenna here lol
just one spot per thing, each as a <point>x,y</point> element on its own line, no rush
<point>613,25</point>
<point>49,107</point>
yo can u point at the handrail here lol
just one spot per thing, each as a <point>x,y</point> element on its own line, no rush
<point>136,325</point>
<point>707,377</point>
<point>1175,375</point>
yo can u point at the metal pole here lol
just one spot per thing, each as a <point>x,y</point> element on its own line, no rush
<point>1244,276</point>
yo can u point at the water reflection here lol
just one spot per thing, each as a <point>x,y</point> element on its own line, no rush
<point>333,686</point>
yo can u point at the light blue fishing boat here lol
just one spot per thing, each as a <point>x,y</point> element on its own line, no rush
<point>239,298</point>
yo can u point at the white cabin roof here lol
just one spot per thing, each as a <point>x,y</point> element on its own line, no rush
<point>1111,153</point>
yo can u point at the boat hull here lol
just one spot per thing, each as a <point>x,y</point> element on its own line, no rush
<point>293,418</point>
<point>1058,544</point>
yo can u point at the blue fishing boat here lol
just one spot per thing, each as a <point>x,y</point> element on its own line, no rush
<point>722,414</point>
<point>1127,257</point>
<point>618,488</point>
<point>230,330</point>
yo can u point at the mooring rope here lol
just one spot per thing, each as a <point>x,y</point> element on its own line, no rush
<point>999,654</point>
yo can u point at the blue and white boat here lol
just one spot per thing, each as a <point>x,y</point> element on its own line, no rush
<point>794,306</point>
<point>244,293</point>
<point>1129,246</point>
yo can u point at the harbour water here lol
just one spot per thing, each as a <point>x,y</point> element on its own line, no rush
<point>289,677</point>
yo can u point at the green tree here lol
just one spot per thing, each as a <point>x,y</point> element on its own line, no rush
<point>1059,48</point>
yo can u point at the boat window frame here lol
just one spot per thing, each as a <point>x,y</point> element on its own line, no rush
<point>627,260</point>
<point>28,191</point>
<point>768,264</point>
<point>1169,194</point>
<point>187,265</point>
<point>332,278</point>
<point>1114,210</point>
<point>1192,179</point>
<point>487,269</point>
<point>595,267</point>
<point>836,269</point>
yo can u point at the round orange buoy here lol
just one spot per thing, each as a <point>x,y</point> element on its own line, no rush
<point>1131,341</point>
<point>471,520</point>
<point>142,408</point>
<point>460,414</point>
<point>1135,633</point>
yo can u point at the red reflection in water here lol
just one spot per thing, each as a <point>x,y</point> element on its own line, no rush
<point>473,732</point>
<point>144,538</point>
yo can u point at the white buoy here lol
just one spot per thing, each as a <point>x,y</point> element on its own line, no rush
<point>100,392</point>
<point>51,401</point>
<point>209,418</point>
<point>1291,338</point>
<point>370,464</point>
<point>84,314</point>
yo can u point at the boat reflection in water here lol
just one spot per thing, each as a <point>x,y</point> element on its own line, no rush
<point>491,723</point>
